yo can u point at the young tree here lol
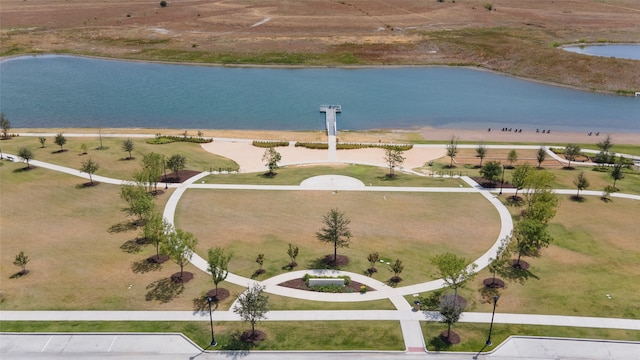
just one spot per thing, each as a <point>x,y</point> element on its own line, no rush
<point>451,307</point>
<point>42,140</point>
<point>155,231</point>
<point>260,261</point>
<point>581,182</point>
<point>452,149</point>
<point>605,155</point>
<point>481,152</point>
<point>293,253</point>
<point>454,270</point>
<point>218,265</point>
<point>542,154</point>
<point>531,235</point>
<point>512,157</point>
<point>335,230</point>
<point>140,202</point>
<point>397,268</point>
<point>491,171</point>
<point>85,148</point>
<point>373,259</point>
<point>5,124</point>
<point>252,306</point>
<point>179,246</point>
<point>571,152</point>
<point>271,158</point>
<point>176,163</point>
<point>21,260</point>
<point>498,262</point>
<point>616,172</point>
<point>152,165</point>
<point>128,146</point>
<point>393,156</point>
<point>90,167</point>
<point>60,140</point>
<point>541,201</point>
<point>519,178</point>
<point>26,154</point>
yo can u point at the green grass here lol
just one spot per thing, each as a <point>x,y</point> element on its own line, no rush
<point>473,336</point>
<point>369,175</point>
<point>286,303</point>
<point>303,335</point>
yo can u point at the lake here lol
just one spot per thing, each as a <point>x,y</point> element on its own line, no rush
<point>70,92</point>
<point>623,51</point>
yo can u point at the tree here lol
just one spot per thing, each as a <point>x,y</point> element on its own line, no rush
<point>155,231</point>
<point>60,140</point>
<point>128,146</point>
<point>252,306</point>
<point>542,154</point>
<point>260,261</point>
<point>5,124</point>
<point>271,158</point>
<point>373,260</point>
<point>571,152</point>
<point>163,3</point>
<point>176,163</point>
<point>152,165</point>
<point>454,270</point>
<point>179,246</point>
<point>397,269</point>
<point>84,147</point>
<point>26,154</point>
<point>605,155</point>
<point>491,171</point>
<point>519,178</point>
<point>293,253</point>
<point>21,260</point>
<point>393,156</point>
<point>42,140</point>
<point>218,265</point>
<point>512,157</point>
<point>451,307</point>
<point>140,202</point>
<point>498,262</point>
<point>541,201</point>
<point>335,230</point>
<point>616,172</point>
<point>452,149</point>
<point>581,182</point>
<point>90,167</point>
<point>531,235</point>
<point>481,152</point>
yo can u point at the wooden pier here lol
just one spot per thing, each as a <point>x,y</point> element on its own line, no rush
<point>332,127</point>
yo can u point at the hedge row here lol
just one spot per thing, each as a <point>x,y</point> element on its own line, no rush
<point>312,145</point>
<point>352,146</point>
<point>166,139</point>
<point>306,278</point>
<point>269,144</point>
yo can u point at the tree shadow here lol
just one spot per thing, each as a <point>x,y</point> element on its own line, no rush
<point>487,294</point>
<point>515,201</point>
<point>133,246</point>
<point>19,274</point>
<point>606,199</point>
<point>431,302</point>
<point>145,266</point>
<point>26,168</point>
<point>579,199</point>
<point>518,275</point>
<point>200,304</point>
<point>437,344</point>
<point>394,281</point>
<point>238,347</point>
<point>122,227</point>
<point>320,263</point>
<point>258,273</point>
<point>163,290</point>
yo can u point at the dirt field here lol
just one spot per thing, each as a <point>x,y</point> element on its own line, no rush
<point>515,36</point>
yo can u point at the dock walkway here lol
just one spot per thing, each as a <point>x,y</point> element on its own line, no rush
<point>332,127</point>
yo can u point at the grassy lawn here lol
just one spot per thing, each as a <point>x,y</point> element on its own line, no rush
<point>411,227</point>
<point>286,303</point>
<point>369,175</point>
<point>307,335</point>
<point>112,160</point>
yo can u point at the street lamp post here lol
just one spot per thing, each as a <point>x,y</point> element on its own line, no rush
<point>495,302</point>
<point>502,181</point>
<point>213,340</point>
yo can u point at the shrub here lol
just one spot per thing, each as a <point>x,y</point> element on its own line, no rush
<point>163,3</point>
<point>488,7</point>
<point>312,145</point>
<point>269,144</point>
<point>166,139</point>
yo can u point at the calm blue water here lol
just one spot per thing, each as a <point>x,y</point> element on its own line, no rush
<point>631,52</point>
<point>65,91</point>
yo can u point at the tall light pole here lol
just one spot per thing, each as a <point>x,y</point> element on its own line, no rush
<point>213,340</point>
<point>502,181</point>
<point>495,302</point>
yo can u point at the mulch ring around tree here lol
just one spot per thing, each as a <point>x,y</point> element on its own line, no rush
<point>340,260</point>
<point>253,337</point>
<point>489,185</point>
<point>185,278</point>
<point>300,284</point>
<point>183,175</point>
<point>218,295</point>
<point>493,283</point>
<point>158,259</point>
<point>523,265</point>
<point>452,338</point>
<point>90,184</point>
